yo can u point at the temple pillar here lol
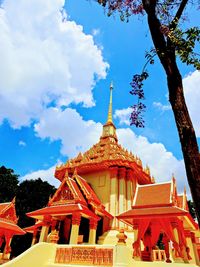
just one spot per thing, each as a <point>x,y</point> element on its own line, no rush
<point>76,219</point>
<point>114,195</point>
<point>53,237</point>
<point>190,247</point>
<point>122,193</point>
<point>7,249</point>
<point>44,233</point>
<point>177,258</point>
<point>129,189</point>
<point>136,244</point>
<point>195,248</point>
<point>34,239</point>
<point>93,229</point>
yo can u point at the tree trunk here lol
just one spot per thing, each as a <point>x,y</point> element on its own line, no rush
<point>166,54</point>
<point>187,137</point>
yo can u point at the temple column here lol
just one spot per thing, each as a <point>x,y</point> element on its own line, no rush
<point>76,220</point>
<point>93,229</point>
<point>177,258</point>
<point>195,248</point>
<point>54,235</point>
<point>44,232</point>
<point>136,244</point>
<point>129,189</point>
<point>7,249</point>
<point>34,237</point>
<point>190,252</point>
<point>114,195</point>
<point>122,192</point>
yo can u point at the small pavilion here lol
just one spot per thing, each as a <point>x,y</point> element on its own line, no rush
<point>8,228</point>
<point>159,213</point>
<point>74,208</point>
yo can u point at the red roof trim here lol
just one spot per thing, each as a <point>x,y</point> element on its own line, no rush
<point>11,227</point>
<point>62,209</point>
<point>152,206</point>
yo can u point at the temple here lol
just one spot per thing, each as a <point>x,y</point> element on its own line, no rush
<point>108,211</point>
<point>8,228</point>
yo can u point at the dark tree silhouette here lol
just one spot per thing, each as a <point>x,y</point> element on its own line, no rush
<point>31,195</point>
<point>8,184</point>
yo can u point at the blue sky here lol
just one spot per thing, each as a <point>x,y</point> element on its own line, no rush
<point>54,87</point>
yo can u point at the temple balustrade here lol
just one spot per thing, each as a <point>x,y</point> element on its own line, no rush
<point>85,255</point>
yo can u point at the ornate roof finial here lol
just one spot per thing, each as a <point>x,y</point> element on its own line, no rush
<point>185,193</point>
<point>109,130</point>
<point>75,173</point>
<point>110,105</point>
<point>66,175</point>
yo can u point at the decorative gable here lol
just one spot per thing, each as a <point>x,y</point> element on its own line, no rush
<point>67,193</point>
<point>9,212</point>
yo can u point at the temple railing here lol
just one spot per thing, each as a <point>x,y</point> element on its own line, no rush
<point>158,255</point>
<point>84,255</point>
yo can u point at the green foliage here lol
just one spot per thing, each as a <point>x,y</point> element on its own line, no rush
<point>8,184</point>
<point>30,195</point>
<point>192,209</point>
<point>185,43</point>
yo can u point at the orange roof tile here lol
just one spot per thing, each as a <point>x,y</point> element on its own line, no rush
<point>91,196</point>
<point>156,211</point>
<point>6,225</point>
<point>180,201</point>
<point>88,191</point>
<point>154,194</point>
<point>101,156</point>
<point>61,210</point>
<point>30,229</point>
<point>3,206</point>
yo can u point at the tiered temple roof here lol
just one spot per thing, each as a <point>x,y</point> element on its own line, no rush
<point>106,153</point>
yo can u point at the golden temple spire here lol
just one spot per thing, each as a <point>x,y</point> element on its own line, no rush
<point>109,130</point>
<point>109,120</point>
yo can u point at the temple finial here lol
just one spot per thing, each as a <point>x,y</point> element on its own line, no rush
<point>109,130</point>
<point>110,105</point>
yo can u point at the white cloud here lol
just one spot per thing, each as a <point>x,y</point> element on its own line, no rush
<point>22,143</point>
<point>192,94</point>
<point>68,126</point>
<point>95,32</point>
<point>123,115</point>
<point>45,175</point>
<point>162,163</point>
<point>161,107</point>
<point>45,58</point>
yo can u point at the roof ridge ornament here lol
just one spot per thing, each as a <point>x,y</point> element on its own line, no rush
<point>75,173</point>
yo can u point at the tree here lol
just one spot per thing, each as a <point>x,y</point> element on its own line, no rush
<point>8,184</point>
<point>31,195</point>
<point>192,209</point>
<point>165,19</point>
